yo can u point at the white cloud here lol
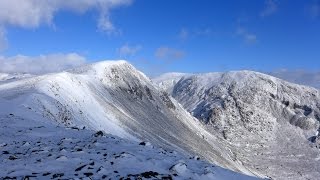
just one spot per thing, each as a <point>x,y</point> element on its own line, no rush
<point>40,64</point>
<point>304,77</point>
<point>33,13</point>
<point>3,40</point>
<point>104,24</point>
<point>169,53</point>
<point>246,35</point>
<point>270,8</point>
<point>127,50</point>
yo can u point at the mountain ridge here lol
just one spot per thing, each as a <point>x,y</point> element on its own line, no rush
<point>118,99</point>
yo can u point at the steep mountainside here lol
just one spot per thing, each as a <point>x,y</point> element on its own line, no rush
<point>114,97</point>
<point>266,123</point>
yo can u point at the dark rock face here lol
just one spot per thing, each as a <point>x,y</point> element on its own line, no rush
<point>165,98</point>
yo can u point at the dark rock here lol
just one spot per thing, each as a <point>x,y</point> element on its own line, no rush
<point>88,174</point>
<point>7,178</point>
<point>149,174</point>
<point>27,177</point>
<point>100,168</point>
<point>79,168</point>
<point>148,91</point>
<point>5,152</point>
<point>166,99</point>
<point>98,134</point>
<point>166,178</point>
<point>46,174</point>
<point>57,175</point>
<point>12,157</point>
<point>76,128</point>
<point>286,103</point>
<point>142,143</point>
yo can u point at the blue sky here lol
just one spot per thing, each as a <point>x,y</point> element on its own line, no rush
<point>170,35</point>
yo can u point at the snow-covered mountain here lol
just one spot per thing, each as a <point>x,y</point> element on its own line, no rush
<point>114,97</point>
<point>268,124</point>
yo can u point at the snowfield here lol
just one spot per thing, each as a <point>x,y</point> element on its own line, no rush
<point>113,97</point>
<point>38,149</point>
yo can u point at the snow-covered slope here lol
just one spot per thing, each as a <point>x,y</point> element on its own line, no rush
<point>12,77</point>
<point>267,123</point>
<point>38,149</point>
<point>114,97</point>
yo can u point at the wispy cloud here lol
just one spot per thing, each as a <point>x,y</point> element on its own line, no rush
<point>313,9</point>
<point>204,32</point>
<point>169,53</point>
<point>250,38</point>
<point>246,35</point>
<point>40,64</point>
<point>127,50</point>
<point>304,77</point>
<point>185,33</point>
<point>33,13</point>
<point>270,8</point>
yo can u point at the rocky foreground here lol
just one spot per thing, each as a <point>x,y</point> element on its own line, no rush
<point>37,150</point>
